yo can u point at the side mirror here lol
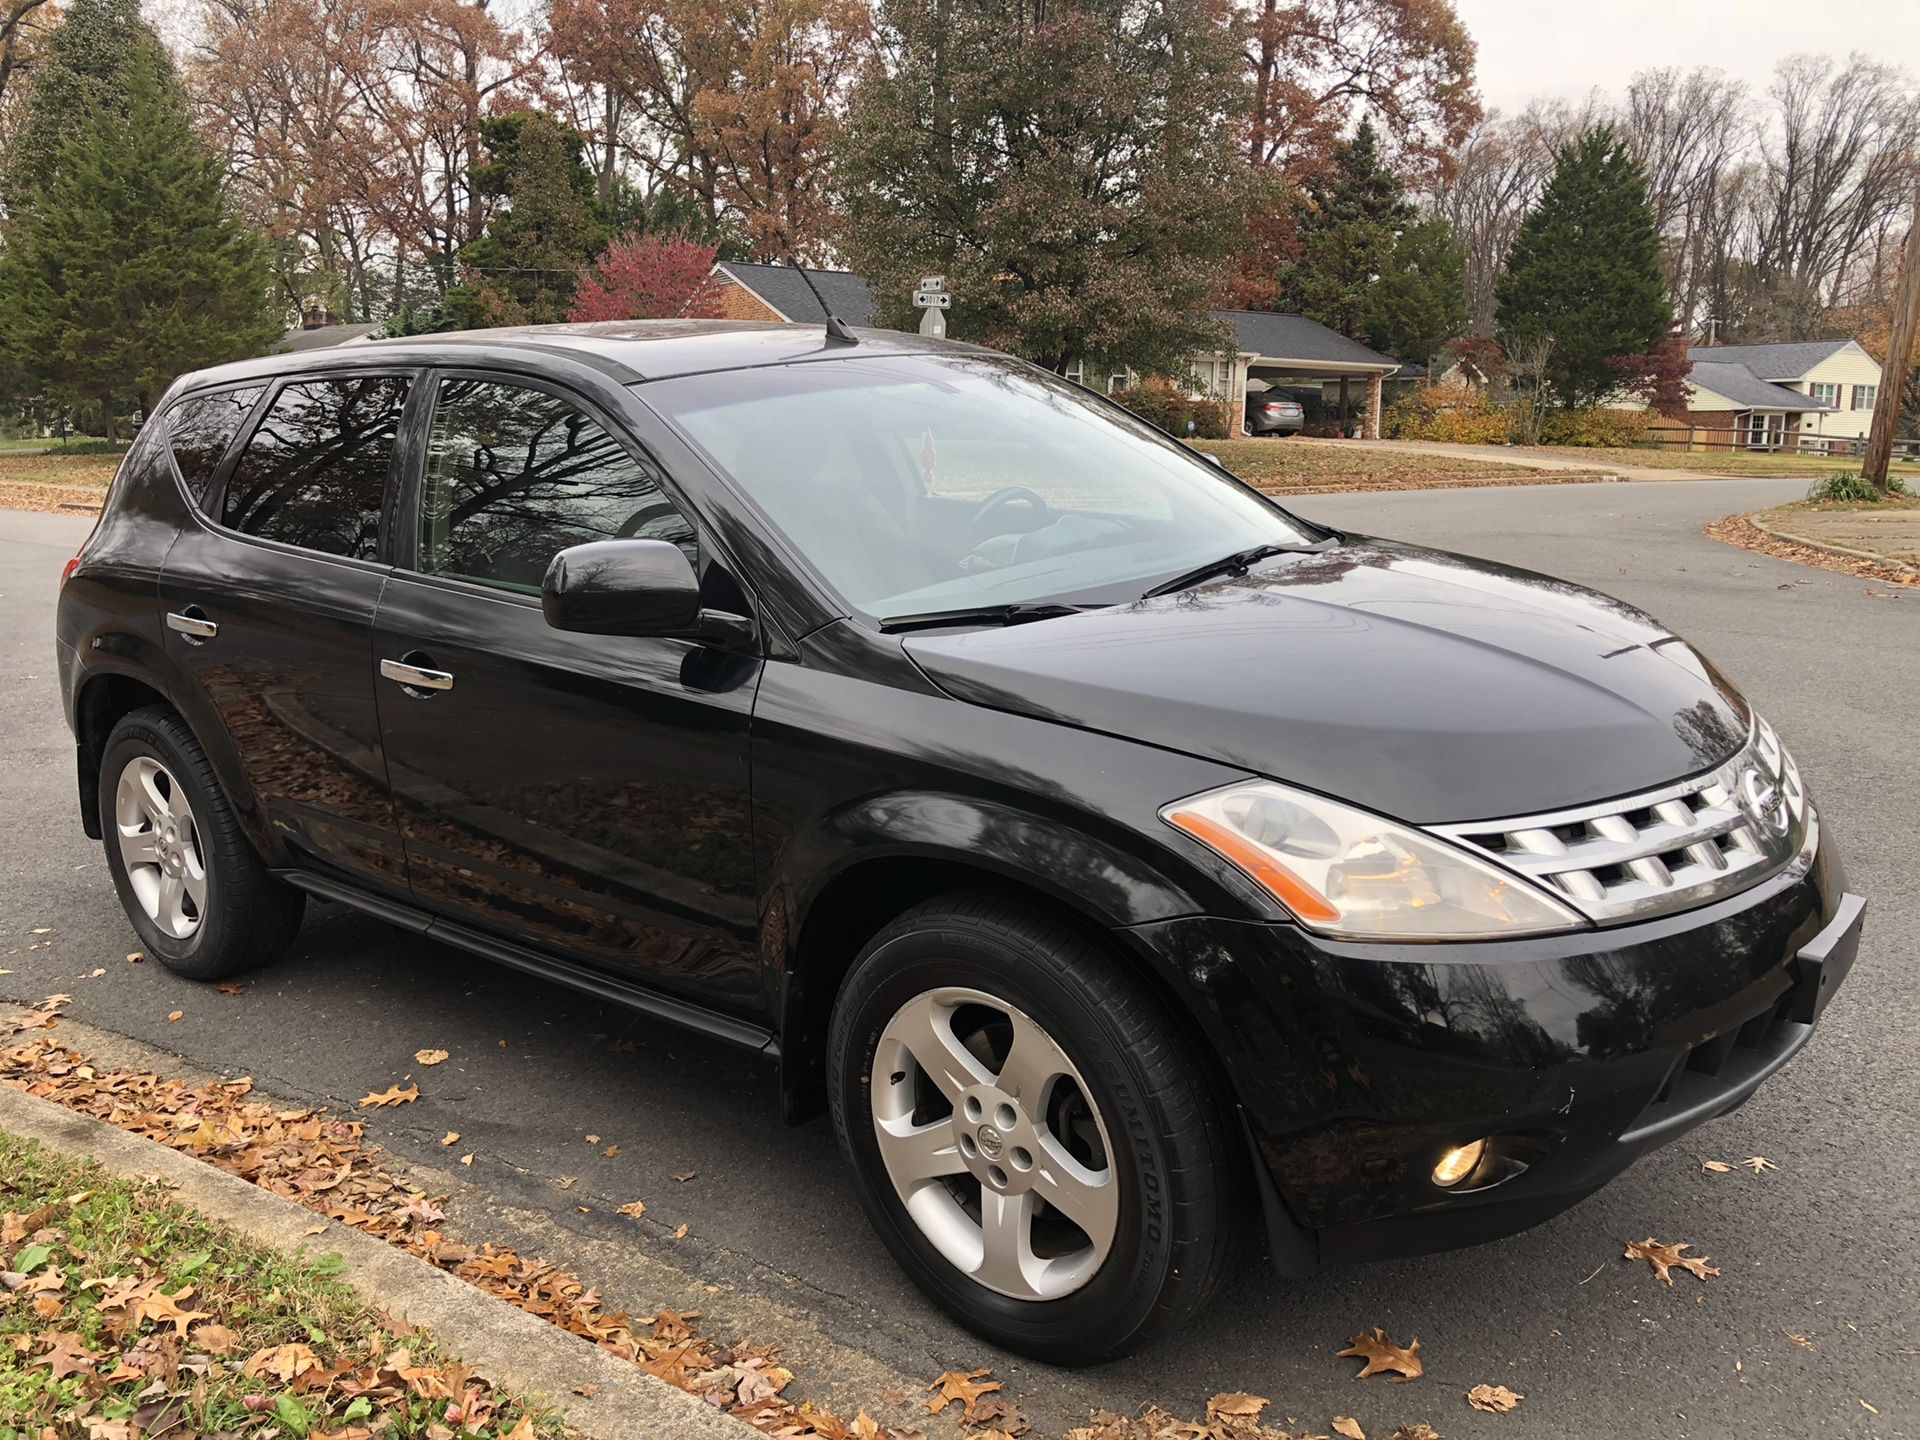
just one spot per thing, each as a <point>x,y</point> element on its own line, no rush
<point>632,587</point>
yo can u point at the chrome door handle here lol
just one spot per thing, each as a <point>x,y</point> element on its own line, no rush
<point>414,677</point>
<point>190,622</point>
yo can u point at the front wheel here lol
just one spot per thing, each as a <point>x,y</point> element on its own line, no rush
<point>1031,1134</point>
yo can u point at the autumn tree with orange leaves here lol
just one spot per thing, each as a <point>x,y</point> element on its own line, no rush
<point>731,103</point>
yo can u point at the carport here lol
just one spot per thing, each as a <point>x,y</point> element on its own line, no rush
<point>1293,350</point>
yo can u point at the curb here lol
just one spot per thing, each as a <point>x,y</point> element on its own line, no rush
<point>1788,537</point>
<point>508,1345</point>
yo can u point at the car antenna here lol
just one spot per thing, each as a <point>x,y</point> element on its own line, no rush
<point>836,328</point>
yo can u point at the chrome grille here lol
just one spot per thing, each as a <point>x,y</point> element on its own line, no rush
<point>1666,849</point>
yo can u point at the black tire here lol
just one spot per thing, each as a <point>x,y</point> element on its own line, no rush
<point>1172,1146</point>
<point>249,916</point>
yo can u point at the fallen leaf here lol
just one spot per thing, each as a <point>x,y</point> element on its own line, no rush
<point>173,1015</point>
<point>1382,1355</point>
<point>135,958</point>
<point>67,1354</point>
<point>429,1057</point>
<point>1348,1426</point>
<point>1868,1408</point>
<point>1716,1167</point>
<point>163,1307</point>
<point>452,1137</point>
<point>314,1230</point>
<point>683,1178</point>
<point>611,1151</point>
<point>286,1363</point>
<point>466,1159</point>
<point>1759,1164</point>
<point>567,1182</point>
<point>1494,1399</point>
<point>680,1233</point>
<point>1418,1430</point>
<point>593,1139</point>
<point>635,1208</point>
<point>96,972</point>
<point>214,1338</point>
<point>1238,1405</point>
<point>230,988</point>
<point>1805,1342</point>
<point>1662,1257</point>
<point>393,1095</point>
<point>966,1387</point>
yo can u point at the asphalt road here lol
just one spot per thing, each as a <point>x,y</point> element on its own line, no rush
<point>1823,1248</point>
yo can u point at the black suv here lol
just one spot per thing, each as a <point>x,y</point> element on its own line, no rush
<point>1118,855</point>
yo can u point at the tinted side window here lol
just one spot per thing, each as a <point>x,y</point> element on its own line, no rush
<point>515,476</point>
<point>201,429</point>
<point>315,472</point>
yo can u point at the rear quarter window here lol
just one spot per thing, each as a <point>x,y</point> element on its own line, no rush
<point>199,431</point>
<point>315,471</point>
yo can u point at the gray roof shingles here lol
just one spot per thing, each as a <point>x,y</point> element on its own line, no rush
<point>1294,337</point>
<point>1787,361</point>
<point>1740,385</point>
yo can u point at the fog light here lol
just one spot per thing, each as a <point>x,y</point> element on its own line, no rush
<point>1458,1163</point>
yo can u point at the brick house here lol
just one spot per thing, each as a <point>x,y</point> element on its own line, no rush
<point>1840,376</point>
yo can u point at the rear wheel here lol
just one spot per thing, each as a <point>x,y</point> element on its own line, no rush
<point>197,893</point>
<point>1032,1136</point>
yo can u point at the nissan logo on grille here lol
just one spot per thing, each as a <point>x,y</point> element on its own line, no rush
<point>1761,798</point>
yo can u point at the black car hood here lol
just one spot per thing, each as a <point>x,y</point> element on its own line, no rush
<point>1427,686</point>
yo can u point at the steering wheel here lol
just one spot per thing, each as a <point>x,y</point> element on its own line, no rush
<point>996,502</point>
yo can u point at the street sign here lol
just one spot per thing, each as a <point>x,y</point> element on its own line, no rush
<point>930,300</point>
<point>932,284</point>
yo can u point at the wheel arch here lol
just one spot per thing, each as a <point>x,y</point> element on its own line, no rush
<point>104,699</point>
<point>856,900</point>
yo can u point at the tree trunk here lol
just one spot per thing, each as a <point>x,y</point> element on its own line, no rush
<point>1893,374</point>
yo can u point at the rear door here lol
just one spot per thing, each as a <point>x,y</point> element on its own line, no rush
<point>581,795</point>
<point>269,597</point>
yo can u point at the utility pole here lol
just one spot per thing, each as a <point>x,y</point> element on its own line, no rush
<point>1893,375</point>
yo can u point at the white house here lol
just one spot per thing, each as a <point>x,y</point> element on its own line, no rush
<point>1841,378</point>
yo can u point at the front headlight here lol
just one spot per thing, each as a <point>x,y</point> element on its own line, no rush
<point>1344,872</point>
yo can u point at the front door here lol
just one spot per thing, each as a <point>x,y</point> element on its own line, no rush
<point>269,603</point>
<point>581,795</point>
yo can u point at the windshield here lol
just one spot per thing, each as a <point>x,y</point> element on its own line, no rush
<point>920,484</point>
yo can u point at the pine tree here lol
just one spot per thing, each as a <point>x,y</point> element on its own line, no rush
<point>130,266</point>
<point>1420,302</point>
<point>544,232</point>
<point>1584,271</point>
<point>1353,220</point>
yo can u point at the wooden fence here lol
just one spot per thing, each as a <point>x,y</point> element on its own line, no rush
<point>1762,438</point>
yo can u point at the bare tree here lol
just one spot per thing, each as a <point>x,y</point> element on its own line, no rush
<point>1837,162</point>
<point>1687,130</point>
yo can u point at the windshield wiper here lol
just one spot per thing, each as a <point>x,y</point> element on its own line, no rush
<point>981,615</point>
<point>1235,564</point>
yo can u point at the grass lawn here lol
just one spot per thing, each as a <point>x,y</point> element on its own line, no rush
<point>1716,462</point>
<point>54,482</point>
<point>1294,467</point>
<point>125,1314</point>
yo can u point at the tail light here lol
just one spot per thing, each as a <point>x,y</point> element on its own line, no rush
<point>66,572</point>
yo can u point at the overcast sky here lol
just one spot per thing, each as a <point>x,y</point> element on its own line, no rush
<point>1563,48</point>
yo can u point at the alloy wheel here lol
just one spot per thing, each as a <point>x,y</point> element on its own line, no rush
<point>160,846</point>
<point>994,1145</point>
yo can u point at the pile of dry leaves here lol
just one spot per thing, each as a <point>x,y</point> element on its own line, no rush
<point>323,1162</point>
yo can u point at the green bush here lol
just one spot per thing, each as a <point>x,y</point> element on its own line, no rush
<point>1457,414</point>
<point>1596,425</point>
<point>1848,486</point>
<point>86,447</point>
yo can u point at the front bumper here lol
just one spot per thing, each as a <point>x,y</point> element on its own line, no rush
<point>1358,1065</point>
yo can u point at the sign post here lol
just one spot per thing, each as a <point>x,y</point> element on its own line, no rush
<point>934,301</point>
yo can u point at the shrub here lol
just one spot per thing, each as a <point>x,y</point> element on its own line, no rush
<point>1159,403</point>
<point>86,447</point>
<point>1848,486</point>
<point>1457,414</point>
<point>1596,425</point>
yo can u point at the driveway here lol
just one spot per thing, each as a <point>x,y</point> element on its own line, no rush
<point>1824,1247</point>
